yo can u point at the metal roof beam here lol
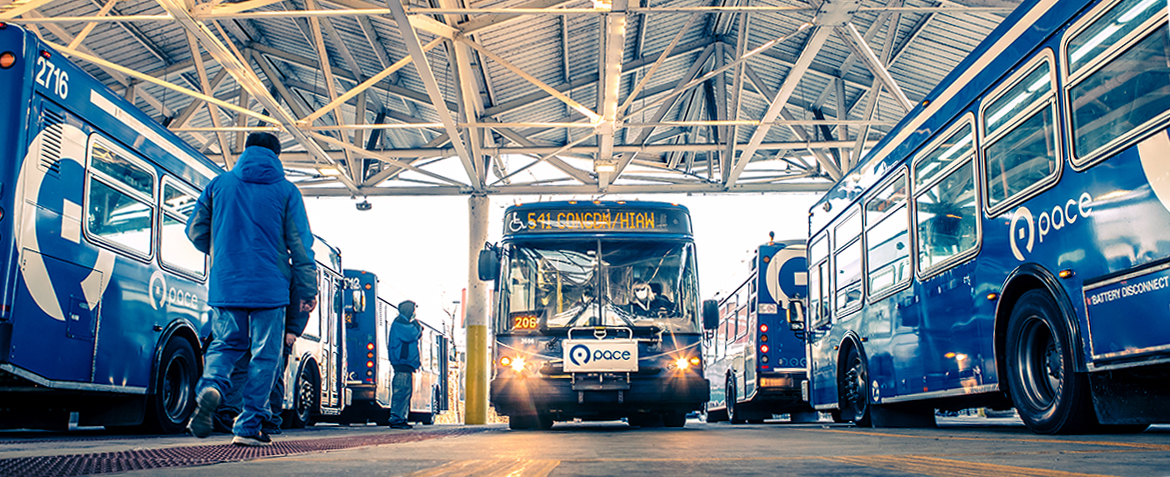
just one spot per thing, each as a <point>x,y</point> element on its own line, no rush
<point>614,39</point>
<point>816,41</point>
<point>428,78</point>
<point>850,35</point>
<point>212,111</point>
<point>540,96</point>
<point>696,187</point>
<point>247,79</point>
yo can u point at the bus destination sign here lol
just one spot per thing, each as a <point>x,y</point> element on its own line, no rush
<point>553,220</point>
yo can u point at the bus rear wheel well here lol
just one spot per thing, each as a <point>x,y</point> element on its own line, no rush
<point>1027,278</point>
<point>848,344</point>
<point>177,331</point>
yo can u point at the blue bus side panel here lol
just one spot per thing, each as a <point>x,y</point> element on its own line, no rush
<point>1123,311</point>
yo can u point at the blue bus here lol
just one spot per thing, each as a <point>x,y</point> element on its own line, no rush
<point>596,314</point>
<point>314,376</point>
<point>103,308</point>
<point>368,317</point>
<point>755,362</point>
<point>1006,244</point>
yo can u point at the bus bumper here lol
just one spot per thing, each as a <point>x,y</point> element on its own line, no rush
<point>532,395</point>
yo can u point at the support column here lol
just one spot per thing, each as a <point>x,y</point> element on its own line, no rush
<point>478,366</point>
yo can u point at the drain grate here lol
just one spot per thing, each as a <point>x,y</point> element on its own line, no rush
<point>107,462</point>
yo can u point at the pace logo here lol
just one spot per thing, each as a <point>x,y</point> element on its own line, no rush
<point>1027,229</point>
<point>579,355</point>
<point>161,296</point>
<point>1022,229</point>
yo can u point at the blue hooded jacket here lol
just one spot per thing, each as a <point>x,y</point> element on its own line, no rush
<point>252,222</point>
<point>404,336</point>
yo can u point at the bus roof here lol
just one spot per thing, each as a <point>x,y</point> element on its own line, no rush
<point>1004,48</point>
<point>123,121</point>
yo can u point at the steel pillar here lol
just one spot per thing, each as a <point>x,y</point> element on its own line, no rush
<point>475,308</point>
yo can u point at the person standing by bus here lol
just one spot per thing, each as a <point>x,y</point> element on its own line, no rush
<point>404,358</point>
<point>295,321</point>
<point>252,222</point>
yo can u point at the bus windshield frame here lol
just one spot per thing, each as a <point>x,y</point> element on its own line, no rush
<point>551,286</point>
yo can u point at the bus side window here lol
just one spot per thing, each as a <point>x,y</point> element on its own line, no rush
<point>887,237</point>
<point>817,282</point>
<point>1119,97</point>
<point>847,257</point>
<point>1020,150</point>
<point>175,249</point>
<point>121,199</point>
<point>945,205</point>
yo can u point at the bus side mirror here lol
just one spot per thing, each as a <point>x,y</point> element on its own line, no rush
<point>796,315</point>
<point>710,314</point>
<point>359,301</point>
<point>489,263</point>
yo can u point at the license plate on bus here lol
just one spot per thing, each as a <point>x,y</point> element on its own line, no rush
<point>600,355</point>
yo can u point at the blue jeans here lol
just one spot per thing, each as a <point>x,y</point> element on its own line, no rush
<point>401,389</point>
<point>259,331</point>
<point>233,402</point>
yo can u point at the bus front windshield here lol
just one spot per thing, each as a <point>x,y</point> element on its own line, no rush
<point>601,283</point>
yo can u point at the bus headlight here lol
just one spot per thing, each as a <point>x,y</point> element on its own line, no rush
<point>682,363</point>
<point>518,364</point>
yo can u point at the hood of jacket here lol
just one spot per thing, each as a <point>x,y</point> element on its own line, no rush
<point>258,165</point>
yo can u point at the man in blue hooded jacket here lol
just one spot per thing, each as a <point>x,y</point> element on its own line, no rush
<point>403,348</point>
<point>252,222</point>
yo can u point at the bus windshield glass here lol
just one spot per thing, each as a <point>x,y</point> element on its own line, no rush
<point>569,284</point>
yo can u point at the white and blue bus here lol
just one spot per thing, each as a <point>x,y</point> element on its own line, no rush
<point>314,376</point>
<point>1007,243</point>
<point>368,317</point>
<point>103,307</point>
<point>572,338</point>
<point>755,361</point>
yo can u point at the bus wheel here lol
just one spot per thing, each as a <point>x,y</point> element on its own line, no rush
<point>305,399</point>
<point>173,400</point>
<point>521,422</point>
<point>674,419</point>
<point>544,422</point>
<point>855,399</point>
<point>429,418</point>
<point>730,396</point>
<point>1050,396</point>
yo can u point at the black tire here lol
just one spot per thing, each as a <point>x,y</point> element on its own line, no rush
<point>674,419</point>
<point>173,401</point>
<point>429,418</point>
<point>305,398</point>
<point>521,422</point>
<point>645,420</point>
<point>731,396</point>
<point>1049,395</point>
<point>853,389</point>
<point>544,422</point>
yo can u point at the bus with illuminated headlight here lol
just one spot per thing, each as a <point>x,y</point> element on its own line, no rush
<point>1006,244</point>
<point>368,317</point>
<point>597,314</point>
<point>756,356</point>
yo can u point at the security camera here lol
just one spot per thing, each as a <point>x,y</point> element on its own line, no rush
<point>363,205</point>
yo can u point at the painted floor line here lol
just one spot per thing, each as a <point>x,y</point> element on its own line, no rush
<point>491,467</point>
<point>935,466</point>
<point>1156,447</point>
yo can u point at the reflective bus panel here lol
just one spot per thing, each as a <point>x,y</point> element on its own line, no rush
<point>1036,222</point>
<point>105,307</point>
